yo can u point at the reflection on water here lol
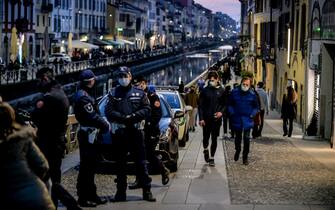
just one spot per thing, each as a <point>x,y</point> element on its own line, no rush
<point>185,70</point>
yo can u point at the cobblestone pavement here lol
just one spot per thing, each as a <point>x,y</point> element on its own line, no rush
<point>278,173</point>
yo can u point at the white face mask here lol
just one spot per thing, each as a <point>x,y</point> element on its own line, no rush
<point>124,81</point>
<point>244,88</point>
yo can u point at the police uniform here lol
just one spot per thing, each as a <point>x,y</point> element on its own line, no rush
<point>127,108</point>
<point>90,121</point>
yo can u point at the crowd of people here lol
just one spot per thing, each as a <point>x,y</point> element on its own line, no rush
<point>132,116</point>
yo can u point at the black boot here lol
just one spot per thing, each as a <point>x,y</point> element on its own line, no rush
<point>86,203</point>
<point>165,176</point>
<point>99,200</point>
<point>147,195</point>
<point>236,156</point>
<point>120,196</point>
<point>134,185</point>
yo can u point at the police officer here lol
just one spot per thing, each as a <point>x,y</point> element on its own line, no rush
<point>127,108</point>
<point>50,116</point>
<point>152,131</point>
<point>90,121</point>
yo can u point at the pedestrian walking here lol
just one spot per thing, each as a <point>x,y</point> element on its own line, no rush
<point>289,110</point>
<point>192,99</point>
<point>23,166</point>
<point>90,120</point>
<point>181,87</point>
<point>152,132</point>
<point>50,116</point>
<point>211,107</point>
<point>225,116</point>
<point>127,109</point>
<point>264,108</point>
<point>242,108</point>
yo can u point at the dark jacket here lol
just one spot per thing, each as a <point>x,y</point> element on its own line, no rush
<point>152,122</point>
<point>50,116</point>
<point>22,167</point>
<point>211,100</point>
<point>125,101</point>
<point>86,111</point>
<point>289,108</point>
<point>242,108</point>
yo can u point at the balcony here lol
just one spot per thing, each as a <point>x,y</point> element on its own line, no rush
<point>46,8</point>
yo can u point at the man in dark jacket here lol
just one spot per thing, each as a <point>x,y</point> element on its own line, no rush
<point>90,121</point>
<point>211,107</point>
<point>152,132</point>
<point>242,108</point>
<point>127,109</point>
<point>50,117</point>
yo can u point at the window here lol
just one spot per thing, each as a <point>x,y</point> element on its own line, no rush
<point>122,17</point>
<point>43,20</point>
<point>303,26</point>
<point>315,26</point>
<point>38,20</point>
<point>297,13</point>
<point>328,20</point>
<point>49,21</point>
<point>76,21</point>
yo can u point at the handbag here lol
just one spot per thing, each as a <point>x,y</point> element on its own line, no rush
<point>257,118</point>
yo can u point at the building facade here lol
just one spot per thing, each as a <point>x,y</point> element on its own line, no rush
<point>320,69</point>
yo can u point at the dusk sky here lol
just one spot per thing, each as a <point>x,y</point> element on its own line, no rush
<point>230,7</point>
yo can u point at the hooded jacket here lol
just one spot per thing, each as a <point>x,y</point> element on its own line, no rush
<point>22,167</point>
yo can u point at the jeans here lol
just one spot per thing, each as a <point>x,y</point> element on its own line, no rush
<point>211,129</point>
<point>246,142</point>
<point>290,122</point>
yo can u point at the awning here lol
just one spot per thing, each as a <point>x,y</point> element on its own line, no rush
<point>83,45</point>
<point>226,47</point>
<point>100,42</point>
<point>125,41</point>
<point>113,42</point>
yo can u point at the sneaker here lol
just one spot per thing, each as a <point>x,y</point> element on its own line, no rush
<point>206,155</point>
<point>211,162</point>
<point>120,196</point>
<point>285,134</point>
<point>245,162</point>
<point>147,196</point>
<point>86,203</point>
<point>99,200</point>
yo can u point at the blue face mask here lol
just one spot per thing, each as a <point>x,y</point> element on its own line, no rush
<point>124,81</point>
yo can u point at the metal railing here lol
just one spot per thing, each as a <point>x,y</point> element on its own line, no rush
<point>29,73</point>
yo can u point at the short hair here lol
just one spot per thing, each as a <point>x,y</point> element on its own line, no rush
<point>246,78</point>
<point>212,74</point>
<point>260,84</point>
<point>45,71</point>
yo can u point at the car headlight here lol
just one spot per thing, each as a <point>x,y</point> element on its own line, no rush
<point>164,136</point>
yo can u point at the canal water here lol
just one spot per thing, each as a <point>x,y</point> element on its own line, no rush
<point>184,70</point>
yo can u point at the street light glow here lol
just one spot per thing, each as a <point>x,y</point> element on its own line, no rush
<point>288,46</point>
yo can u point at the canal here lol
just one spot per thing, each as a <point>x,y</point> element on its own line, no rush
<point>187,69</point>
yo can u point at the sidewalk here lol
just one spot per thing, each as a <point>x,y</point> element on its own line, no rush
<point>196,186</point>
<point>318,149</point>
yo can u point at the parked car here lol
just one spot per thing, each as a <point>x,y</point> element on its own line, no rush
<point>167,147</point>
<point>178,105</point>
<point>59,57</point>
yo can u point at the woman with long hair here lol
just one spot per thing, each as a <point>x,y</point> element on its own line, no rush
<point>289,110</point>
<point>22,166</point>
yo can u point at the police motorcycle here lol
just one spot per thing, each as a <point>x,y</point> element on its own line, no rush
<point>166,149</point>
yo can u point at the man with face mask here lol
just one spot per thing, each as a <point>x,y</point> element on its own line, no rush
<point>50,116</point>
<point>211,107</point>
<point>151,131</point>
<point>242,108</point>
<point>126,110</point>
<point>90,120</point>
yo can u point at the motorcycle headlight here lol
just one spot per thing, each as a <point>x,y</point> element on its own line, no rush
<point>164,136</point>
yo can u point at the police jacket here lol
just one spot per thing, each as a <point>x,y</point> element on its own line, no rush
<point>22,167</point>
<point>211,100</point>
<point>86,111</point>
<point>127,105</point>
<point>242,107</point>
<point>152,122</point>
<point>50,117</point>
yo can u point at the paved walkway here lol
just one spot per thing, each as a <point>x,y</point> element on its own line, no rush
<point>197,186</point>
